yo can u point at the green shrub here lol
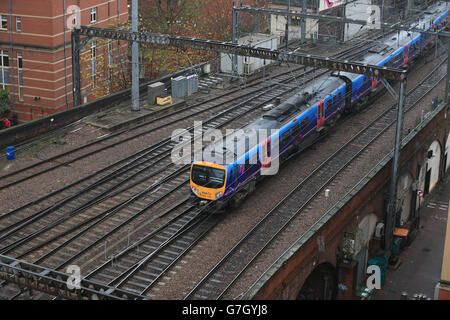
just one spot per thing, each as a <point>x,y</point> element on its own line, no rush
<point>4,101</point>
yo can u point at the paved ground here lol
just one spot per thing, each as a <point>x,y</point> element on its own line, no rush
<point>422,260</point>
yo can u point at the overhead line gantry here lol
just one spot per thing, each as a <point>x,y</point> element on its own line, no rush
<point>225,47</point>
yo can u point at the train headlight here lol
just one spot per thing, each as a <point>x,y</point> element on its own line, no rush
<point>194,190</point>
<point>219,194</point>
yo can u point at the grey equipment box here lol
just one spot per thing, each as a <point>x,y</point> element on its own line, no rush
<point>192,81</point>
<point>179,87</point>
<point>155,90</point>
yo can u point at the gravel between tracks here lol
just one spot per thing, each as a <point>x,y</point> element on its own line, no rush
<point>209,251</point>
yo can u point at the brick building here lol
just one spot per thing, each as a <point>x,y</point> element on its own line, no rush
<point>35,51</point>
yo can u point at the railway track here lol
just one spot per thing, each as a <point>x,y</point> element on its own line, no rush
<point>139,267</point>
<point>125,173</point>
<point>18,229</point>
<point>226,272</point>
<point>130,182</point>
<point>221,101</point>
<point>48,241</point>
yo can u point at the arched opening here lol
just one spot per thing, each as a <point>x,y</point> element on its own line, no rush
<point>429,173</point>
<point>447,155</point>
<point>321,284</point>
<point>405,197</point>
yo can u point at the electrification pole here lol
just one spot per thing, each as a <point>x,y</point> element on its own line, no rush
<point>303,37</point>
<point>287,25</point>
<point>134,59</point>
<point>392,206</point>
<point>234,63</point>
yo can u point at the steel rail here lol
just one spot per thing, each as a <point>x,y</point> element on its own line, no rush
<point>313,196</point>
<point>56,283</point>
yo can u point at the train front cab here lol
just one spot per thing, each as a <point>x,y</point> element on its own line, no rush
<point>207,180</point>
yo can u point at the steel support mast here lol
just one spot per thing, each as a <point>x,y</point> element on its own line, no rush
<point>134,59</point>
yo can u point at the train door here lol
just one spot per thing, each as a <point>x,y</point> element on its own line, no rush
<point>265,153</point>
<point>320,115</point>
<point>405,54</point>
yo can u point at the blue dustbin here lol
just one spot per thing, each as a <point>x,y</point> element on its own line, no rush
<point>10,154</point>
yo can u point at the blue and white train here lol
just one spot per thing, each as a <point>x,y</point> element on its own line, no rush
<point>301,119</point>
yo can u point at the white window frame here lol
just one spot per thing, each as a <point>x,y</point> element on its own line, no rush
<point>18,24</point>
<point>93,14</point>
<point>3,18</point>
<point>3,84</point>
<point>19,75</point>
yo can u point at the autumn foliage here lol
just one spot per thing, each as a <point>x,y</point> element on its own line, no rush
<point>205,19</point>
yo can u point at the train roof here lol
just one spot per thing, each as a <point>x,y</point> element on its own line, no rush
<point>237,144</point>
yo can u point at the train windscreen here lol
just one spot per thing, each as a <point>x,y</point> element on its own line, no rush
<point>208,177</point>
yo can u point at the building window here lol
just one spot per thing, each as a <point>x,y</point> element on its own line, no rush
<point>18,24</point>
<point>4,69</point>
<point>3,22</point>
<point>93,63</point>
<point>93,15</point>
<point>20,76</point>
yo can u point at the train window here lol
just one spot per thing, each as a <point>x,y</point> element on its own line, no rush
<point>286,137</point>
<point>364,82</point>
<point>328,110</point>
<point>236,172</point>
<point>334,101</point>
<point>295,130</point>
<point>340,98</point>
<point>266,150</point>
<point>304,124</point>
<point>230,180</point>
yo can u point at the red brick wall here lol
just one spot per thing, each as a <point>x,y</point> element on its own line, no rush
<point>41,43</point>
<point>288,280</point>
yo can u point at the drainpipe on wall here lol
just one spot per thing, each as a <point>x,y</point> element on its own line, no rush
<point>12,56</point>
<point>65,53</point>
